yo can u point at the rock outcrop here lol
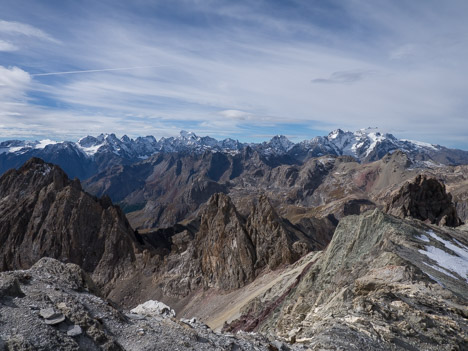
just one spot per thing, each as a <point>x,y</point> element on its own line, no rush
<point>425,199</point>
<point>44,214</point>
<point>227,254</point>
<point>233,249</point>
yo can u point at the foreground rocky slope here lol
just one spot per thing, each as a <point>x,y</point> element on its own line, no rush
<point>56,306</point>
<point>43,213</point>
<point>383,283</point>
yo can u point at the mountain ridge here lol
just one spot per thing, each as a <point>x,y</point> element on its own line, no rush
<point>90,154</point>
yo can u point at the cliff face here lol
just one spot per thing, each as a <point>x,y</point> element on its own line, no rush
<point>425,199</point>
<point>226,252</point>
<point>221,249</point>
<point>233,249</point>
<point>43,213</point>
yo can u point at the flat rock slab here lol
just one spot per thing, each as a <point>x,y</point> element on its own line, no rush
<point>56,319</point>
<point>47,313</point>
<point>135,316</point>
<point>74,331</point>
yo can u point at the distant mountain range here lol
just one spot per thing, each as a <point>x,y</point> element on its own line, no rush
<point>91,155</point>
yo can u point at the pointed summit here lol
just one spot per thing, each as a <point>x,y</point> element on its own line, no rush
<point>188,135</point>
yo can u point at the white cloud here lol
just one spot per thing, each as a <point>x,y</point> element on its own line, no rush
<point>13,82</point>
<point>235,114</point>
<point>17,28</point>
<point>7,46</point>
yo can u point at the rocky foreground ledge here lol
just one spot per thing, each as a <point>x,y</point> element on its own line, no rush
<point>56,306</point>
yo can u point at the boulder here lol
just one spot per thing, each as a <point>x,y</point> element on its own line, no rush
<point>153,308</point>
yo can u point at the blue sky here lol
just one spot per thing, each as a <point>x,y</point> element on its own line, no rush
<point>241,69</point>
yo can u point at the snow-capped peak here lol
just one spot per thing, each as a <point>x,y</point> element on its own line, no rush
<point>282,142</point>
<point>188,135</point>
<point>364,144</point>
<point>336,134</point>
<point>421,144</point>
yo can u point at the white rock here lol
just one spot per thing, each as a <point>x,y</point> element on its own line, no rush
<point>74,331</point>
<point>154,308</point>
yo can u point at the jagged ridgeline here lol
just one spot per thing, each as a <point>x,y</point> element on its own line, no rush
<point>322,253</point>
<point>92,155</point>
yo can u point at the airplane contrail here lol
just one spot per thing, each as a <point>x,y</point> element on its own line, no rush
<point>91,71</point>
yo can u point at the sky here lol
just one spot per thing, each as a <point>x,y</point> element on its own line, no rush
<point>242,69</point>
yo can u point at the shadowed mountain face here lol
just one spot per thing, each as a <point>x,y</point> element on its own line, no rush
<point>425,199</point>
<point>43,213</point>
<point>170,187</point>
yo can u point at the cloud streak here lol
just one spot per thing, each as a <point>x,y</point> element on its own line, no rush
<point>18,28</point>
<point>344,77</point>
<point>91,71</point>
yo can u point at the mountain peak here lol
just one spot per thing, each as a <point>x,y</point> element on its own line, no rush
<point>187,135</point>
<point>335,133</point>
<point>125,139</point>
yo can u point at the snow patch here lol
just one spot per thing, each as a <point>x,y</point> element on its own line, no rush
<point>420,144</point>
<point>423,238</point>
<point>43,143</point>
<point>90,151</point>
<point>457,262</point>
